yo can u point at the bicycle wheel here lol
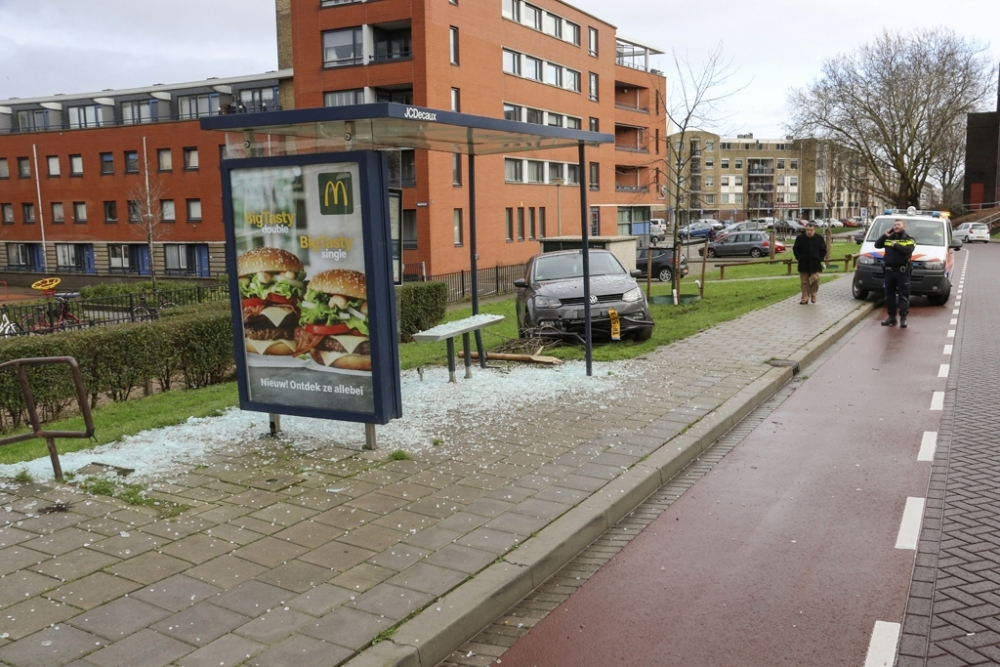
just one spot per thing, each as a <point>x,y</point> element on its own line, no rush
<point>38,322</point>
<point>70,320</point>
<point>141,314</point>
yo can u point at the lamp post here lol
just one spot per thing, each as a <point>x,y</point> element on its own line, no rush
<point>558,182</point>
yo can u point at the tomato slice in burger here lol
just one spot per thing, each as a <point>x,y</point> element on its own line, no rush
<point>327,330</point>
<point>250,302</point>
<point>277,298</point>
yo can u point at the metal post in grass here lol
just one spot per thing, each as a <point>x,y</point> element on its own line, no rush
<point>704,265</point>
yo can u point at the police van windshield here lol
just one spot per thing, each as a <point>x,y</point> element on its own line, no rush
<point>924,232</point>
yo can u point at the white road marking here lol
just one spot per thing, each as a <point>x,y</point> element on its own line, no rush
<point>928,445</point>
<point>937,401</point>
<point>882,647</point>
<point>943,371</point>
<point>954,321</point>
<point>955,312</point>
<point>951,333</point>
<point>909,527</point>
<point>947,349</point>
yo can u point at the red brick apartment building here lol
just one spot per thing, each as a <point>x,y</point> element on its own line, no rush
<point>538,62</point>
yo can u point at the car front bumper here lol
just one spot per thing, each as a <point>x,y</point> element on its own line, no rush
<point>922,281</point>
<point>569,319</point>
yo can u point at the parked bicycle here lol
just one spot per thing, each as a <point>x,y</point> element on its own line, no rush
<point>145,312</point>
<point>50,319</point>
<point>8,327</point>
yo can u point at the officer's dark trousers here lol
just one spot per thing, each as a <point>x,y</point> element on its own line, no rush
<point>897,292</point>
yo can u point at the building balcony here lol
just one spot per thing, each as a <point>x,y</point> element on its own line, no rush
<point>624,187</point>
<point>631,148</point>
<point>631,107</point>
<point>760,171</point>
<point>760,187</point>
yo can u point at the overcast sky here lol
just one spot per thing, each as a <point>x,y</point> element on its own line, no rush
<point>67,46</point>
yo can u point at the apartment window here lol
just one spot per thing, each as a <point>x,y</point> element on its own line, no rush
<point>552,25</point>
<point>4,168</point>
<point>29,213</point>
<point>571,32</point>
<point>7,211</point>
<point>23,167</point>
<point>535,116</point>
<point>710,199</point>
<point>512,9</point>
<point>179,259</point>
<point>725,198</point>
<point>572,123</point>
<point>343,47</point>
<point>258,99</point>
<point>76,165</point>
<point>52,162</point>
<point>555,119</point>
<point>571,80</point>
<point>134,211</point>
<point>532,68</point>
<point>738,198</point>
<point>58,215</point>
<point>344,98</point>
<point>781,164</point>
<point>131,162</point>
<point>724,181</point>
<point>167,211</point>
<point>780,180</point>
<point>555,171</point>
<point>453,45</point>
<point>793,199</point>
<point>595,175</point>
<point>724,163</point>
<point>80,212</point>
<point>739,163</point>
<point>392,44</point>
<point>194,210</point>
<point>110,211</point>
<point>196,106</point>
<point>532,17</point>
<point>793,165</point>
<point>410,229</point>
<point>541,222</point>
<point>456,100</point>
<point>738,181</point>
<point>520,223</point>
<point>513,170</point>
<point>709,163</point>
<point>532,231</point>
<point>119,256</point>
<point>595,221</point>
<point>190,159</point>
<point>138,111</point>
<point>553,74</point>
<point>456,169</point>
<point>511,112</point>
<point>509,224</point>
<point>107,163</point>
<point>573,174</point>
<point>511,62</point>
<point>819,197</point>
<point>593,87</point>
<point>164,159</point>
<point>710,181</point>
<point>592,41</point>
<point>793,181</point>
<point>92,116</point>
<point>595,124</point>
<point>456,222</point>
<point>536,171</point>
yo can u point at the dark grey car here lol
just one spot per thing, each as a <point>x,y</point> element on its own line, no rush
<point>754,244</point>
<point>550,297</point>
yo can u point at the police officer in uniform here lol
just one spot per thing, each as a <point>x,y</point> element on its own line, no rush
<point>898,248</point>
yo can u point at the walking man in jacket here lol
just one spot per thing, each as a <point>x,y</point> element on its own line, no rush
<point>810,251</point>
<point>898,247</point>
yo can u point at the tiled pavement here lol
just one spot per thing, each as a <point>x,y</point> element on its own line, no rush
<point>953,611</point>
<point>290,558</point>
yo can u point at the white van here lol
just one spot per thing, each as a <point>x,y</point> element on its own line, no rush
<point>932,261</point>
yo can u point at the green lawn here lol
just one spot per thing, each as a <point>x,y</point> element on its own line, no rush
<point>837,252</point>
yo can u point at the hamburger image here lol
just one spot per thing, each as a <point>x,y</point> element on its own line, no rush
<point>271,289</point>
<point>333,327</point>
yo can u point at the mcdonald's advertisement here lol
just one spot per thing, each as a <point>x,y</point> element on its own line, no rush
<point>305,249</point>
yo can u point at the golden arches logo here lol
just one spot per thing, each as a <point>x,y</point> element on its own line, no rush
<point>336,190</point>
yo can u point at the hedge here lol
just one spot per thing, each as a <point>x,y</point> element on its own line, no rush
<point>124,289</point>
<point>117,361</point>
<point>420,306</point>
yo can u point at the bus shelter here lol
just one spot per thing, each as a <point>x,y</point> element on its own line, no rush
<point>393,126</point>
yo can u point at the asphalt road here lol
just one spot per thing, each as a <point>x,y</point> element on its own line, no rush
<point>795,547</point>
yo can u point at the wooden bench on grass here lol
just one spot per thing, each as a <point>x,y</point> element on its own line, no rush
<point>788,261</point>
<point>449,330</point>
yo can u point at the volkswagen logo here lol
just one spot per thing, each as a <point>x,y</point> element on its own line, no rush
<point>593,299</point>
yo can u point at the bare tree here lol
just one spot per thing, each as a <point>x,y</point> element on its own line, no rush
<point>893,101</point>
<point>948,169</point>
<point>696,95</point>
<point>145,215</point>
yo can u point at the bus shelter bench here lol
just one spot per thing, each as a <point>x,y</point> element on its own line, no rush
<point>449,330</point>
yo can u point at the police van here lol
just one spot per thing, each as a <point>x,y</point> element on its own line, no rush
<point>932,261</point>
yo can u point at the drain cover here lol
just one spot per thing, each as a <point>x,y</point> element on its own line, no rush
<point>785,363</point>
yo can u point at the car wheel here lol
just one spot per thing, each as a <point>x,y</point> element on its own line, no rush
<point>666,275</point>
<point>965,239</point>
<point>857,291</point>
<point>711,252</point>
<point>644,334</point>
<point>755,252</point>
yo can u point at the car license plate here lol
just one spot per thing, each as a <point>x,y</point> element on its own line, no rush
<point>616,325</point>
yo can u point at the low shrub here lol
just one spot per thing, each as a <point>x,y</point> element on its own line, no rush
<point>124,289</point>
<point>420,307</point>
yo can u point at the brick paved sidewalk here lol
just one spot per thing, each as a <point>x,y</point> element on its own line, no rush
<point>305,559</point>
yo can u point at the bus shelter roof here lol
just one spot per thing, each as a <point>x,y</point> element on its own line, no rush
<point>390,125</point>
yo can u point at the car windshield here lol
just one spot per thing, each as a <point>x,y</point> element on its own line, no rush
<point>560,267</point>
<point>924,232</point>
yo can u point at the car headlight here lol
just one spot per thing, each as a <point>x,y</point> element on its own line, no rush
<point>547,302</point>
<point>632,295</point>
<point>865,259</point>
<point>933,265</point>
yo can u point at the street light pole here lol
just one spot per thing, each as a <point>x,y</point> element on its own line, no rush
<point>558,182</point>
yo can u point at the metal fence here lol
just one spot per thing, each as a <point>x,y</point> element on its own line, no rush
<point>492,282</point>
<point>66,311</point>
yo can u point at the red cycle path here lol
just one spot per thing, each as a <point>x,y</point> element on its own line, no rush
<point>785,553</point>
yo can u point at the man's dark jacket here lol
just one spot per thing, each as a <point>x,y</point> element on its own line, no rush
<point>896,254</point>
<point>810,252</point>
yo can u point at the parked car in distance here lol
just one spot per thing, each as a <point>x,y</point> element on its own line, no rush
<point>662,260</point>
<point>967,232</point>
<point>788,225</point>
<point>697,229</point>
<point>746,226</point>
<point>550,298</point>
<point>754,244</point>
<point>657,230</point>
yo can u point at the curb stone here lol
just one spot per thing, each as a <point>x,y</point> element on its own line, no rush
<point>447,624</point>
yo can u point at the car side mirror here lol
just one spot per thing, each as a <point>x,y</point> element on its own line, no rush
<point>520,283</point>
<point>635,273</point>
<point>956,245</point>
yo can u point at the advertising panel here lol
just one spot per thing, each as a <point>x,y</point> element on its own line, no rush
<point>310,265</point>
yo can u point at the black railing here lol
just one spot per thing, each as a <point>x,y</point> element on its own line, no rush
<point>118,122</point>
<point>492,282</point>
